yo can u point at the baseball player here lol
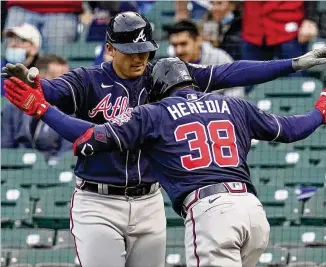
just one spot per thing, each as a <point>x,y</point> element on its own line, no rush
<point>197,145</point>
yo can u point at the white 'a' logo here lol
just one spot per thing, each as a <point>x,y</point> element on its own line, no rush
<point>141,36</point>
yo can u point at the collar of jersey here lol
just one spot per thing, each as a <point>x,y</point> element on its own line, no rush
<point>184,92</point>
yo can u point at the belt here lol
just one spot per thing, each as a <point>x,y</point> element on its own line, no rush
<point>130,191</point>
<point>226,187</point>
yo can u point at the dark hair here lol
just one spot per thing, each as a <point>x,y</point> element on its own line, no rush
<point>183,26</point>
<point>43,62</point>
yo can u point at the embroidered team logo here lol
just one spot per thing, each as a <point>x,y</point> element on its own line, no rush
<point>109,109</point>
<point>123,118</point>
<point>141,36</point>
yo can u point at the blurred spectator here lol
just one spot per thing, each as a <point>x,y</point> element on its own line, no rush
<point>186,43</point>
<point>278,29</point>
<point>222,26</point>
<point>58,20</point>
<point>3,15</point>
<point>20,130</point>
<point>23,44</point>
<point>101,11</point>
<point>195,9</point>
<point>316,11</point>
<point>103,56</point>
<point>227,16</point>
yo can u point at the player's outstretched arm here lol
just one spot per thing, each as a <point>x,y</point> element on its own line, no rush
<point>244,72</point>
<point>33,103</point>
<point>63,92</point>
<point>124,132</point>
<point>286,129</point>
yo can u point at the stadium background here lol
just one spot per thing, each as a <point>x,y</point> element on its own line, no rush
<point>290,178</point>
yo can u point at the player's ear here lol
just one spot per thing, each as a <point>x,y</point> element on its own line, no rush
<point>110,49</point>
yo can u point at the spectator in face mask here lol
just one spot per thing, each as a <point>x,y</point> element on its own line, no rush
<point>23,44</point>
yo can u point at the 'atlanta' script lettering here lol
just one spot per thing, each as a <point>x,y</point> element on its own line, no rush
<point>110,111</point>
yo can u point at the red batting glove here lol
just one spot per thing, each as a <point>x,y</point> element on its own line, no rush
<point>321,104</point>
<point>30,100</point>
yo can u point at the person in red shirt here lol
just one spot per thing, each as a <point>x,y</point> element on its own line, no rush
<point>280,29</point>
<point>57,20</point>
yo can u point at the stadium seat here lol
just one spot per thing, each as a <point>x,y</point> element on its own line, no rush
<point>67,162</point>
<point>269,177</point>
<point>297,236</point>
<point>41,256</point>
<point>303,264</point>
<point>172,218</point>
<point>272,195</point>
<point>316,141</point>
<point>81,51</point>
<point>27,238</point>
<point>161,14</point>
<point>16,209</point>
<point>52,210</point>
<point>275,215</point>
<point>313,159</point>
<point>49,215</point>
<point>162,52</point>
<point>44,178</point>
<point>4,257</point>
<point>64,238</point>
<point>280,204</point>
<point>166,199</point>
<point>304,177</point>
<point>50,264</point>
<point>312,254</point>
<point>272,158</point>
<point>289,87</point>
<point>73,64</point>
<point>175,236</point>
<point>175,256</point>
<point>314,212</point>
<point>286,106</point>
<point>273,256</point>
<point>20,158</point>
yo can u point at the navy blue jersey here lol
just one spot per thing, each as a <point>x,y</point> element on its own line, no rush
<point>194,139</point>
<point>96,94</point>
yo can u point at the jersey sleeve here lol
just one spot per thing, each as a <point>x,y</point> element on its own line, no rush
<point>238,73</point>
<point>67,91</point>
<point>134,129</point>
<point>285,129</point>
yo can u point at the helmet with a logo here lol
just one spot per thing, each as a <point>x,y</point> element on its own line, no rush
<point>131,33</point>
<point>167,73</point>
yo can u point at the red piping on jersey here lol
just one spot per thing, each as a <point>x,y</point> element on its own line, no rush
<point>82,139</point>
<point>194,235</point>
<point>194,200</point>
<point>72,225</point>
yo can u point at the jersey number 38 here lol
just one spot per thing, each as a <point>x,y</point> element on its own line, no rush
<point>219,146</point>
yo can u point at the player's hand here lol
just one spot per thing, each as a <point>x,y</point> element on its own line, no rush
<point>21,72</point>
<point>26,98</point>
<point>321,104</point>
<point>309,60</point>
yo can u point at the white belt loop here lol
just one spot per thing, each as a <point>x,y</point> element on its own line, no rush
<point>105,188</point>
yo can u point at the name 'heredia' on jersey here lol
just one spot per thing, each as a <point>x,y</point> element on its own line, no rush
<point>210,106</point>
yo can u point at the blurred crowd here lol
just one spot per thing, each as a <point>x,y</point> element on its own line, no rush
<point>202,32</point>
